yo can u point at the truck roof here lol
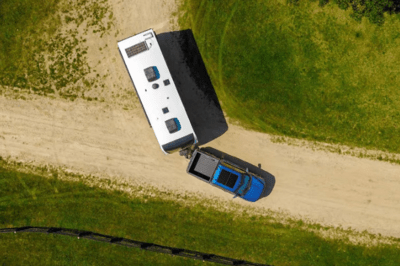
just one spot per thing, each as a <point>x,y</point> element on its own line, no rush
<point>227,178</point>
<point>155,87</point>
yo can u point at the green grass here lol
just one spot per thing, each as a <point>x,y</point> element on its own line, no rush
<point>29,200</point>
<point>21,24</point>
<point>42,48</point>
<point>302,70</point>
<point>42,249</point>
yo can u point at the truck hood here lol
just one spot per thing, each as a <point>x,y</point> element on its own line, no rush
<point>257,187</point>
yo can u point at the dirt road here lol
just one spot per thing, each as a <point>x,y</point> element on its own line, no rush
<point>103,138</point>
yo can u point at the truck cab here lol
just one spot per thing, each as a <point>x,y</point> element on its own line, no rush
<point>226,175</point>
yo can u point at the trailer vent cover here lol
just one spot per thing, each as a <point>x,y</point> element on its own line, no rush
<point>136,49</point>
<point>173,125</point>
<point>152,73</point>
<point>227,179</point>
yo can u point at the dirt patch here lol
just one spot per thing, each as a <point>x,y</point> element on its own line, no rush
<point>105,140</point>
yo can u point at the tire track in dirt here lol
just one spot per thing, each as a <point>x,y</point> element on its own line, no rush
<point>103,140</point>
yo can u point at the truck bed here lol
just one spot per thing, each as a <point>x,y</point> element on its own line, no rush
<point>203,166</point>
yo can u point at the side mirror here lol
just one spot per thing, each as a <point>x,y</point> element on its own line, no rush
<point>235,196</point>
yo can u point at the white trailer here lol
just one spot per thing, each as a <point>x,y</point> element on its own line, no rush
<point>157,92</point>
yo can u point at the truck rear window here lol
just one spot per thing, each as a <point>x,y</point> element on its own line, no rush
<point>227,178</point>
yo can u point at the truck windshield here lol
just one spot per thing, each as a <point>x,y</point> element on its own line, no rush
<point>243,186</point>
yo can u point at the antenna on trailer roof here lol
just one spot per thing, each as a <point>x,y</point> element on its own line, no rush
<point>150,36</point>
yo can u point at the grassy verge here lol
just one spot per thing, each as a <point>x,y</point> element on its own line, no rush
<point>31,200</point>
<point>302,70</point>
<point>39,249</point>
<point>42,48</point>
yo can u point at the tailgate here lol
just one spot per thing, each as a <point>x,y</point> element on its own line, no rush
<point>202,165</point>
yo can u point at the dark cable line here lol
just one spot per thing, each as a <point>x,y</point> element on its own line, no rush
<point>132,243</point>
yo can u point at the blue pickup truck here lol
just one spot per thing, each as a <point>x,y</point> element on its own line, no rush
<point>226,175</point>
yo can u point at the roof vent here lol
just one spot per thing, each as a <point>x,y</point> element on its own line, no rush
<point>152,73</point>
<point>173,125</point>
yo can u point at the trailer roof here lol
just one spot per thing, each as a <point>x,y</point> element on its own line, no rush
<point>160,102</point>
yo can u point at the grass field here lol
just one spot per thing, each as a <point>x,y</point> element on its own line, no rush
<point>302,70</point>
<point>41,249</point>
<point>29,200</point>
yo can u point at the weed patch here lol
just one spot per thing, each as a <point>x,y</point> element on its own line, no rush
<point>40,55</point>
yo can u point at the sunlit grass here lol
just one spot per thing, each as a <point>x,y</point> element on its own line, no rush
<point>302,70</point>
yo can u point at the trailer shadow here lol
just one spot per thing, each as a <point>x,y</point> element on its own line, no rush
<point>193,84</point>
<point>268,177</point>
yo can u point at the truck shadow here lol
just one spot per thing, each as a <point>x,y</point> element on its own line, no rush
<point>193,84</point>
<point>268,177</point>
